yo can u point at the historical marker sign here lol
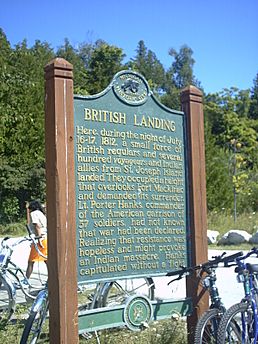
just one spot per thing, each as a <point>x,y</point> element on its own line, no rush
<point>130,178</point>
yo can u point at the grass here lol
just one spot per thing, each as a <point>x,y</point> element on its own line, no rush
<point>223,222</point>
<point>161,332</point>
<point>170,331</point>
<point>11,332</point>
<point>240,247</point>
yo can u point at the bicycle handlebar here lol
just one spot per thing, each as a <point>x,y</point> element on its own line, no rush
<point>254,250</point>
<point>31,237</point>
<point>213,263</point>
<point>232,258</point>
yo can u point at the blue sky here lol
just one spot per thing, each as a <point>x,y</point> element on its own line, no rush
<point>223,34</point>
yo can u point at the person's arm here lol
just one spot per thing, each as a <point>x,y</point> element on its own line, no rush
<point>28,213</point>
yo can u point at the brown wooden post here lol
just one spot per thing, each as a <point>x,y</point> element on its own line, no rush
<point>192,105</point>
<point>61,202</point>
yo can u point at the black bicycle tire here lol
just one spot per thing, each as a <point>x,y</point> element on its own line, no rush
<point>30,321</point>
<point>227,319</point>
<point>203,322</point>
<point>102,300</point>
<point>11,300</point>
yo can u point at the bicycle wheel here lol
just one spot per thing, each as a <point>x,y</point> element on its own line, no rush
<point>207,327</point>
<point>36,319</point>
<point>87,294</point>
<point>7,300</point>
<point>237,325</point>
<point>116,293</point>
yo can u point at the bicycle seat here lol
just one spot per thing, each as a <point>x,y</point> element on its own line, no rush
<point>253,268</point>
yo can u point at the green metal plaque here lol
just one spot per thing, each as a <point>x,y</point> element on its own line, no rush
<point>130,178</point>
<point>134,314</point>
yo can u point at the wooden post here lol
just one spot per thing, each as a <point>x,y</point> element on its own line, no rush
<point>59,136</point>
<point>192,105</point>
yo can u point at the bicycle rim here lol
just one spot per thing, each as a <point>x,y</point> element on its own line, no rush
<point>207,327</point>
<point>237,326</point>
<point>7,301</point>
<point>116,293</point>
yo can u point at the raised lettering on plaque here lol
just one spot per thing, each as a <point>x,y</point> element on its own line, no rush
<point>131,191</point>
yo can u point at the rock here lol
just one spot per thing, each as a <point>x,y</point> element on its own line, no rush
<point>254,238</point>
<point>212,236</point>
<point>234,237</point>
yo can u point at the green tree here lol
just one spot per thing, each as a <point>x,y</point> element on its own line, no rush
<point>105,61</point>
<point>146,63</point>
<point>218,181</point>
<point>253,111</point>
<point>181,69</point>
<point>22,124</point>
<point>227,116</point>
<point>178,76</point>
<point>70,54</point>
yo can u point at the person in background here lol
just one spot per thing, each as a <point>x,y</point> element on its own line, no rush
<point>37,221</point>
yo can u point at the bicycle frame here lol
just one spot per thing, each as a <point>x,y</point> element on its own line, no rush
<point>42,295</point>
<point>11,286</point>
<point>246,276</point>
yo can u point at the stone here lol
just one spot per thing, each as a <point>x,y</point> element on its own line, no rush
<point>254,238</point>
<point>234,237</point>
<point>212,236</point>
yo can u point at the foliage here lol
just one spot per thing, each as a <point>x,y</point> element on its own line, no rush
<point>179,75</point>
<point>253,111</point>
<point>105,61</point>
<point>146,63</point>
<point>181,70</point>
<point>231,140</point>
<point>21,125</point>
<point>69,53</point>
<point>13,229</point>
<point>218,182</point>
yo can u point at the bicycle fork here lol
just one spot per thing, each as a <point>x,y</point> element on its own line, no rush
<point>249,324</point>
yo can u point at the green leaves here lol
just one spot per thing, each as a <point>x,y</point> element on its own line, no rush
<point>229,129</point>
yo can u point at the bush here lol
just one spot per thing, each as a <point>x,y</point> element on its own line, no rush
<point>13,229</point>
<point>9,209</point>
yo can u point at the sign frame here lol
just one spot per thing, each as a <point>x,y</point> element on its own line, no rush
<point>59,137</point>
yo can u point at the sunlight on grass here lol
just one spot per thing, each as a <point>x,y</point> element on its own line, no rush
<point>223,222</point>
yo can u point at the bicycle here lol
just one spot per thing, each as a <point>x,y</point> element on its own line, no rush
<point>207,326</point>
<point>240,322</point>
<point>11,278</point>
